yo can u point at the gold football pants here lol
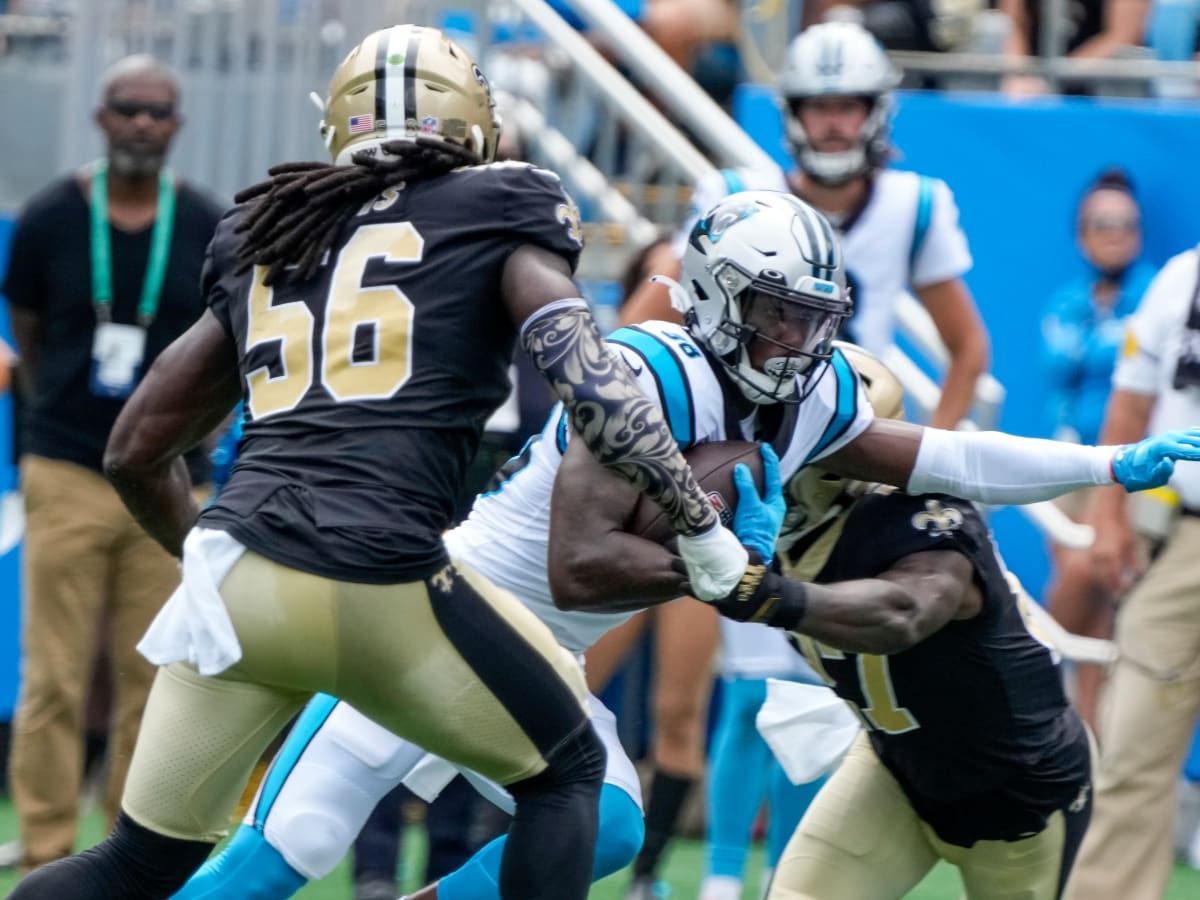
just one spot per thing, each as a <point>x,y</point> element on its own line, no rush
<point>862,839</point>
<point>453,664</point>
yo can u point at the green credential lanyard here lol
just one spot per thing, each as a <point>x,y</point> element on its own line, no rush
<point>160,247</point>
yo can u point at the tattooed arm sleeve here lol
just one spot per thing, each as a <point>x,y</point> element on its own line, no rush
<point>623,428</point>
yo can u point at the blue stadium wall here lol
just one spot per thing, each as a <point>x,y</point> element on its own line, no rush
<point>1018,169</point>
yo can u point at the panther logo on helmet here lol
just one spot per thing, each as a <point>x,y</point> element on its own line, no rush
<point>403,82</point>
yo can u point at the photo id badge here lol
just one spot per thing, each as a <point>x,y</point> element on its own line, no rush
<point>117,352</point>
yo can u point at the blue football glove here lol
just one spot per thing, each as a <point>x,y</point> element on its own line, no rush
<point>757,520</point>
<point>1150,462</point>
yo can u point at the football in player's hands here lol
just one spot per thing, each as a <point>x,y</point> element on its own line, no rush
<point>713,465</point>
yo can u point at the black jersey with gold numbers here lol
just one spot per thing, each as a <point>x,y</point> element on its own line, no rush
<point>972,722</point>
<point>367,387</point>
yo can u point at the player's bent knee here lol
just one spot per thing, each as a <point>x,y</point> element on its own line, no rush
<point>313,839</point>
<point>622,830</point>
<point>580,759</point>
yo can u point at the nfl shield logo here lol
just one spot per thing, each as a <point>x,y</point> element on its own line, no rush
<point>429,125</point>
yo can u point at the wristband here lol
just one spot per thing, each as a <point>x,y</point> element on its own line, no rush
<point>765,597</point>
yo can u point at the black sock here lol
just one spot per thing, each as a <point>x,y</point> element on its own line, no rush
<point>132,863</point>
<point>552,841</point>
<point>667,795</point>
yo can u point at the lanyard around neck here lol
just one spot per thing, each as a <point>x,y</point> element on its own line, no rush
<point>101,246</point>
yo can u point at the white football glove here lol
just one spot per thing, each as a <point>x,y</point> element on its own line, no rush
<point>715,560</point>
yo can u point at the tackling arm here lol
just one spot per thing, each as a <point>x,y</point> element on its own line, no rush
<point>890,613</point>
<point>186,394</point>
<point>593,564</point>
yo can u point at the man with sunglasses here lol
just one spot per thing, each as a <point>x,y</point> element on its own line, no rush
<point>104,274</point>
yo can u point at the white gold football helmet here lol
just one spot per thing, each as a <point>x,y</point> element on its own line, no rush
<point>838,59</point>
<point>764,266</point>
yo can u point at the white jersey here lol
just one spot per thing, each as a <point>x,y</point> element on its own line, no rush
<point>906,237</point>
<point>506,534</point>
<point>1156,337</point>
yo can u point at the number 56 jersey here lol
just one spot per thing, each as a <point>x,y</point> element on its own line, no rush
<point>368,386</point>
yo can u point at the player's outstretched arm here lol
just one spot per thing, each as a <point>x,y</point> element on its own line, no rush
<point>888,614</point>
<point>623,428</point>
<point>593,563</point>
<point>994,467</point>
<point>188,391</point>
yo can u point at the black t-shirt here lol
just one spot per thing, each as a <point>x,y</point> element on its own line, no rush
<point>367,387</point>
<point>972,722</point>
<point>50,274</point>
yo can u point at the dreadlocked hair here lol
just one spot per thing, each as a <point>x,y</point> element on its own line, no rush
<point>298,213</point>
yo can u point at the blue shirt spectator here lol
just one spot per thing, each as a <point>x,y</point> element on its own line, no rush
<point>1082,322</point>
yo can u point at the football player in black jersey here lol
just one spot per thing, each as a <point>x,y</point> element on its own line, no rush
<point>971,751</point>
<point>367,310</point>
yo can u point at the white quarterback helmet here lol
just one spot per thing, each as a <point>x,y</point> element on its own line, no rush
<point>838,59</point>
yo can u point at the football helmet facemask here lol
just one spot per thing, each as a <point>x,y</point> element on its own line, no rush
<point>404,82</point>
<point>838,59</point>
<point>762,272</point>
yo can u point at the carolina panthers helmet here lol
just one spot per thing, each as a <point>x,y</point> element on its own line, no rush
<point>814,494</point>
<point>838,59</point>
<point>765,266</point>
<point>403,82</point>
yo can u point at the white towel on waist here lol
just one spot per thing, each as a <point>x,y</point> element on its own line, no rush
<point>194,626</point>
<point>808,727</point>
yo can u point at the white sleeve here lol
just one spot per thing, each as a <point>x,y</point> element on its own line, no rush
<point>999,468</point>
<point>1162,311</point>
<point>944,253</point>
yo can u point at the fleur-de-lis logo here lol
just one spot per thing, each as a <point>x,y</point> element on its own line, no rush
<point>937,520</point>
<point>443,580</point>
<point>568,214</point>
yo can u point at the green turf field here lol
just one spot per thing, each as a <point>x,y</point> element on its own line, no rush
<point>683,871</point>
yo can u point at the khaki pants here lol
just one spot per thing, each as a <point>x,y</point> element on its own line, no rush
<point>861,839</point>
<point>453,664</point>
<point>83,554</point>
<point>1147,717</point>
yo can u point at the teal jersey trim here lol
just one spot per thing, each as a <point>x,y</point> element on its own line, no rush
<point>923,218</point>
<point>733,181</point>
<point>847,405</point>
<point>670,378</point>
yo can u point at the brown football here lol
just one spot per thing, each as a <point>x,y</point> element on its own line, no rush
<point>712,464</point>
